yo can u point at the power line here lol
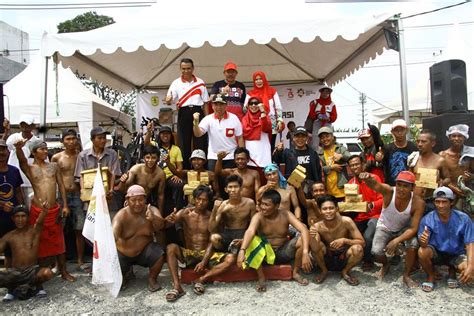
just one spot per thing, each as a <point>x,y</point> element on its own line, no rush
<point>438,25</point>
<point>435,10</point>
<point>408,64</point>
<point>387,107</point>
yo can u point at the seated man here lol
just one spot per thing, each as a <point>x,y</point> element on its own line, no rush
<point>272,223</point>
<point>398,222</point>
<point>198,248</point>
<point>134,226</point>
<point>445,236</point>
<point>25,278</point>
<point>337,244</point>
<point>314,214</point>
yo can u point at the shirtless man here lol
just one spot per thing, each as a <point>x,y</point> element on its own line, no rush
<point>45,177</point>
<point>426,158</point>
<point>134,226</point>
<point>272,222</point>
<point>233,216</point>
<point>148,175</point>
<point>336,243</point>
<point>24,243</point>
<point>398,222</point>
<point>275,180</point>
<point>197,249</point>
<point>250,177</point>
<point>457,135</point>
<point>66,161</point>
<point>314,214</point>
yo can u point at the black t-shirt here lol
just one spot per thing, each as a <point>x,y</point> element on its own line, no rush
<point>313,171</point>
<point>236,97</point>
<point>395,160</point>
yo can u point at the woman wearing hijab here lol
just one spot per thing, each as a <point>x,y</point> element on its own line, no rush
<point>271,102</point>
<point>257,133</point>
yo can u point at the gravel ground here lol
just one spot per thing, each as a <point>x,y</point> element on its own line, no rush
<point>334,296</point>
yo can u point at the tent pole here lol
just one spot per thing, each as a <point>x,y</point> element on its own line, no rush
<point>44,97</point>
<point>403,72</point>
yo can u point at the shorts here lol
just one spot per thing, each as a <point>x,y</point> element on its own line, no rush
<point>192,257</point>
<point>336,260</point>
<point>229,235</point>
<point>52,235</point>
<point>147,258</point>
<point>442,258</point>
<point>78,216</point>
<point>286,252</point>
<point>383,236</point>
<point>12,278</point>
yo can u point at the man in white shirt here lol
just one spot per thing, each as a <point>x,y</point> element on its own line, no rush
<point>191,97</point>
<point>224,130</point>
<point>27,125</point>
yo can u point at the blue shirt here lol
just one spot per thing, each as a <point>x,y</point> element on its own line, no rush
<point>450,237</point>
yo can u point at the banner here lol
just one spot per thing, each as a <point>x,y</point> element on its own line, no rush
<point>98,229</point>
<point>151,105</point>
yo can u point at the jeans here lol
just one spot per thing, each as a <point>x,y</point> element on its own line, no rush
<point>367,228</point>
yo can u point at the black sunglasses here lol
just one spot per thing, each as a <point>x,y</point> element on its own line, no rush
<point>254,103</point>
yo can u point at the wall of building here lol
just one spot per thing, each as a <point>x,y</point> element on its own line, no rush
<point>14,44</point>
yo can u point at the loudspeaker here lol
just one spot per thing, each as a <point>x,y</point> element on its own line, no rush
<point>440,124</point>
<point>448,86</point>
<point>2,108</point>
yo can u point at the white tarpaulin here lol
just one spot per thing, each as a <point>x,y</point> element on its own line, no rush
<point>292,41</point>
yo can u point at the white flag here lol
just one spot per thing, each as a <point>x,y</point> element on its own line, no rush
<point>105,264</point>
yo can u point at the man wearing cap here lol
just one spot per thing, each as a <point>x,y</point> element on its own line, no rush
<point>134,227</point>
<point>27,124</point>
<point>191,97</point>
<point>224,130</point>
<point>372,160</point>
<point>10,195</point>
<point>446,237</point>
<point>457,135</point>
<point>322,112</point>
<point>90,159</point>
<point>398,222</point>
<point>333,157</point>
<point>46,180</point>
<point>25,278</point>
<point>395,154</point>
<point>66,161</point>
<point>233,90</point>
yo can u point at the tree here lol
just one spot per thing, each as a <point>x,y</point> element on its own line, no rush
<point>84,22</point>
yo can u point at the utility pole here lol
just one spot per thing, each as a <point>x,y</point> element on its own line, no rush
<point>362,100</point>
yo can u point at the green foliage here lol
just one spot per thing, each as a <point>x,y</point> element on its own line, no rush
<point>84,22</point>
<point>414,132</point>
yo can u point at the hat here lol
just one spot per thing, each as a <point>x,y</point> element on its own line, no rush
<point>325,87</point>
<point>37,143</point>
<point>68,132</point>
<point>165,128</point>
<point>406,176</point>
<point>325,129</point>
<point>98,131</point>
<point>20,208</point>
<point>135,190</point>
<point>230,66</point>
<point>399,123</point>
<point>219,98</point>
<point>26,118</point>
<point>3,143</point>
<point>443,193</point>
<point>364,133</point>
<point>300,130</point>
<point>462,129</point>
<point>198,153</point>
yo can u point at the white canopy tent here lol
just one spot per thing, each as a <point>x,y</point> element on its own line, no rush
<point>69,101</point>
<point>291,41</point>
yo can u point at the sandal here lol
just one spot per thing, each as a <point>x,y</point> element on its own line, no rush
<point>350,280</point>
<point>427,286</point>
<point>85,267</point>
<point>318,279</point>
<point>173,295</point>
<point>453,283</point>
<point>198,288</point>
<point>261,288</point>
<point>300,280</point>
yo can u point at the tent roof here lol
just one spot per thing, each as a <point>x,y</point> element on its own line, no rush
<point>291,42</point>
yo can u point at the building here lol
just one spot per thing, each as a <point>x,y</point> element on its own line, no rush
<point>14,51</point>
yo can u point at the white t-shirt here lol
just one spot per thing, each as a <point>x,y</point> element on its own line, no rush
<point>188,92</point>
<point>222,134</point>
<point>13,159</point>
<point>260,151</point>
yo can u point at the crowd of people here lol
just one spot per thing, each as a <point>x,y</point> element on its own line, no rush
<point>225,194</point>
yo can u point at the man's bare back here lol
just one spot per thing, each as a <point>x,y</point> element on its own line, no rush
<point>67,165</point>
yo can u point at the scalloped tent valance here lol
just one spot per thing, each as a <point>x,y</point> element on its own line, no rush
<point>291,45</point>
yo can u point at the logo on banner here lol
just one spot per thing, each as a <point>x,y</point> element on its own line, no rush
<point>300,92</point>
<point>155,100</point>
<point>291,95</point>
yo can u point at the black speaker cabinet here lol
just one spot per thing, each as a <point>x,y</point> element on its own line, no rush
<point>440,124</point>
<point>448,87</point>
